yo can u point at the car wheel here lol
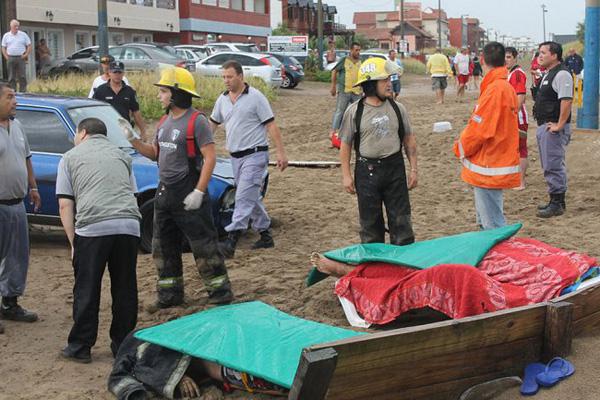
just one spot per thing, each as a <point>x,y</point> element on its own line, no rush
<point>287,82</point>
<point>147,211</point>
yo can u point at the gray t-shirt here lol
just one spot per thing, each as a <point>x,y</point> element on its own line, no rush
<point>562,84</point>
<point>245,120</point>
<point>14,151</point>
<point>171,138</point>
<point>378,129</point>
<point>118,226</point>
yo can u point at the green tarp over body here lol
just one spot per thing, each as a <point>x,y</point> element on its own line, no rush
<point>249,337</point>
<point>466,248</point>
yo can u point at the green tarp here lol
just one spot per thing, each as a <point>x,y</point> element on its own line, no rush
<point>250,337</point>
<point>466,248</point>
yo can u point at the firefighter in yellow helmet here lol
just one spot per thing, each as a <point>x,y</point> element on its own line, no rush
<point>185,151</point>
<point>378,128</point>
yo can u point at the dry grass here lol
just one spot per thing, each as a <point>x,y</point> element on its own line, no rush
<point>78,85</point>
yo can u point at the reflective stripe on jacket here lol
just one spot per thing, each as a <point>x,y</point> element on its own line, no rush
<point>489,146</point>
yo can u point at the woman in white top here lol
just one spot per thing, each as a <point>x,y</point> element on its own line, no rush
<point>102,79</point>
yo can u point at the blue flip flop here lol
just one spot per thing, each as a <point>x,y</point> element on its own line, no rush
<point>530,385</point>
<point>556,370</point>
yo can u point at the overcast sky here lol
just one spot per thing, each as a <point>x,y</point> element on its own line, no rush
<point>509,17</point>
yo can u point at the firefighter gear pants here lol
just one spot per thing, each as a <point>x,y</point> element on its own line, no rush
<point>383,182</point>
<point>553,147</point>
<point>14,249</point>
<point>171,225</point>
<point>90,257</point>
<point>248,172</point>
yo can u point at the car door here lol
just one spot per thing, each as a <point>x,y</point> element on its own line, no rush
<point>49,137</point>
<point>136,59</point>
<point>250,65</point>
<point>211,66</point>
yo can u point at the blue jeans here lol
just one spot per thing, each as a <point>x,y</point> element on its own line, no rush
<point>343,101</point>
<point>489,206</point>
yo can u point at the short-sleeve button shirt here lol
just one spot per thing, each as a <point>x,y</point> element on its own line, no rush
<point>124,102</point>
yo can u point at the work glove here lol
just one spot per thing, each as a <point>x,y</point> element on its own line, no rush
<point>128,132</point>
<point>193,201</point>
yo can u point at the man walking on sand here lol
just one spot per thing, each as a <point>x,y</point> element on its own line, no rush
<point>463,70</point>
<point>518,80</point>
<point>439,68</point>
<point>488,147</point>
<point>343,78</point>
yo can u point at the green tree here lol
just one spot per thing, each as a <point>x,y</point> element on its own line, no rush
<point>580,32</point>
<point>364,41</point>
<point>283,30</point>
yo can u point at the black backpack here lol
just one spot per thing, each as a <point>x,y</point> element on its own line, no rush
<point>358,117</point>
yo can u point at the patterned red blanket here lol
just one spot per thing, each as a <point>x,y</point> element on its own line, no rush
<point>514,273</point>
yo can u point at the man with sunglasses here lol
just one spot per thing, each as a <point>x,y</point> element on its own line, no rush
<point>121,96</point>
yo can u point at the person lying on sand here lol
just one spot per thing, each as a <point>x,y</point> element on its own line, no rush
<point>142,369</point>
<point>329,267</point>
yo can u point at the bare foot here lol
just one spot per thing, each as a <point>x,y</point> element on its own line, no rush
<point>328,266</point>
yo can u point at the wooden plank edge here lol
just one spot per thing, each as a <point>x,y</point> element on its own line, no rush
<point>313,375</point>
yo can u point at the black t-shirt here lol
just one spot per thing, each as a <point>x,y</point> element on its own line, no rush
<point>124,102</point>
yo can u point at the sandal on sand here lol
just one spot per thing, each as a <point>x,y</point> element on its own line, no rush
<point>556,370</point>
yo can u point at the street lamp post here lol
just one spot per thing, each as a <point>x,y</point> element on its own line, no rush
<point>544,11</point>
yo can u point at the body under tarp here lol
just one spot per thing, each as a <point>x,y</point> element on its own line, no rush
<point>249,337</point>
<point>466,248</point>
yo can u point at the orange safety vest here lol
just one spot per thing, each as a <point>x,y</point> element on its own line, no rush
<point>489,146</point>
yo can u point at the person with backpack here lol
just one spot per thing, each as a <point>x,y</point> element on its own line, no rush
<point>378,128</point>
<point>185,151</point>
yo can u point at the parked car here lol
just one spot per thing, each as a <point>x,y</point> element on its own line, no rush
<point>294,71</point>
<point>244,47</point>
<point>82,61</point>
<point>143,57</point>
<point>50,123</point>
<point>201,51</point>
<point>263,66</point>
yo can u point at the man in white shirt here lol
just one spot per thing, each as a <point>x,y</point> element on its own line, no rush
<point>16,47</point>
<point>462,65</point>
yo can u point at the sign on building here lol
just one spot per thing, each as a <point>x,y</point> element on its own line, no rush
<point>403,46</point>
<point>288,45</point>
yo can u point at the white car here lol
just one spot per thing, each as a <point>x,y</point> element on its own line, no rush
<point>244,47</point>
<point>263,66</point>
<point>201,52</point>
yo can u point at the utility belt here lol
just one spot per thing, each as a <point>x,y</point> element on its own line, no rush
<point>394,158</point>
<point>247,152</point>
<point>10,202</point>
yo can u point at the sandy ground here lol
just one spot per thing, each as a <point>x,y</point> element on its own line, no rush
<point>310,212</point>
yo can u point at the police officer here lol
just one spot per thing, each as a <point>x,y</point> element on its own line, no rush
<point>120,95</point>
<point>378,128</point>
<point>182,206</point>
<point>552,111</point>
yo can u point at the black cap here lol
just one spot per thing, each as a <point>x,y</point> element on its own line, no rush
<point>116,66</point>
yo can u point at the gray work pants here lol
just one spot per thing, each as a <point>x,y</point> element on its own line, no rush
<point>16,71</point>
<point>14,249</point>
<point>553,148</point>
<point>248,172</point>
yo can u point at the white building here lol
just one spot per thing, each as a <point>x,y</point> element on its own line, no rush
<point>70,25</point>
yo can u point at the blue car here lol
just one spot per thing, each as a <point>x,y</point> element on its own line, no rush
<point>50,123</point>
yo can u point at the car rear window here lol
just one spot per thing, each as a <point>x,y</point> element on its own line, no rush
<point>106,114</point>
<point>250,48</point>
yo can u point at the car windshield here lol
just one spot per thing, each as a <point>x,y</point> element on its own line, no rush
<point>250,48</point>
<point>106,114</point>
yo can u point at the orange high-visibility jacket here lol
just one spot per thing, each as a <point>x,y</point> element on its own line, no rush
<point>489,146</point>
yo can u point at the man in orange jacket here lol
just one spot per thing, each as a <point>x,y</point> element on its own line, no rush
<point>488,148</point>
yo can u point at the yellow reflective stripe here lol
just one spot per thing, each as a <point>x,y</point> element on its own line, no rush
<point>169,282</point>
<point>217,281</point>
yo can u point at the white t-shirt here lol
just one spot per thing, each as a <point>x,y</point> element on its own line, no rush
<point>100,81</point>
<point>15,44</point>
<point>461,62</point>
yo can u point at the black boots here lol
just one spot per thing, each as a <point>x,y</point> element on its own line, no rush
<point>11,310</point>
<point>556,207</point>
<point>227,247</point>
<point>265,241</point>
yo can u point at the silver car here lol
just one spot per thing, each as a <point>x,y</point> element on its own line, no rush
<point>144,58</point>
<point>263,66</point>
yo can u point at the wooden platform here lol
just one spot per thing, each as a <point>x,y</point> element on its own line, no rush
<point>441,360</point>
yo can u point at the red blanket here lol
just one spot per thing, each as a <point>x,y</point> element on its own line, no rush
<point>514,273</point>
